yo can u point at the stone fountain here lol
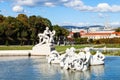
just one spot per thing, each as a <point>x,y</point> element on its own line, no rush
<point>80,62</point>
<point>70,59</point>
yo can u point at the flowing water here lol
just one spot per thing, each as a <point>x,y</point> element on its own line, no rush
<point>37,68</point>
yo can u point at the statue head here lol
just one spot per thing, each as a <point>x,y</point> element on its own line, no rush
<point>53,32</point>
<point>47,28</point>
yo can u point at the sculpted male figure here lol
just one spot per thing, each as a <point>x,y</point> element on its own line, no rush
<point>46,37</point>
<point>51,36</point>
<point>47,33</point>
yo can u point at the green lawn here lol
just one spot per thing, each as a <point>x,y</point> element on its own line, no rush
<point>58,48</point>
<point>62,49</point>
<point>16,47</point>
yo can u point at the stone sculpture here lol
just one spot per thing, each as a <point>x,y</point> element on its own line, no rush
<point>97,59</point>
<point>46,37</point>
<point>80,61</point>
<point>45,45</point>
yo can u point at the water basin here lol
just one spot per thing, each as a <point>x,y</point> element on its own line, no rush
<point>37,68</point>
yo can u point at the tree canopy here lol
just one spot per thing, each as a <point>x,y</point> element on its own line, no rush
<point>118,29</point>
<point>23,29</point>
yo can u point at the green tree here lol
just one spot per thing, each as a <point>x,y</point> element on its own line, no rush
<point>10,29</point>
<point>61,34</point>
<point>60,31</point>
<point>23,29</point>
<point>117,30</point>
<point>2,18</point>
<point>23,18</point>
<point>31,21</point>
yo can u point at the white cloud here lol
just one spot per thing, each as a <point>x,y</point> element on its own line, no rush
<point>64,0</point>
<point>115,8</point>
<point>79,5</point>
<point>1,1</point>
<point>35,2</point>
<point>100,15</point>
<point>49,4</point>
<point>75,4</point>
<point>104,7</point>
<point>115,23</point>
<point>18,9</point>
<point>26,2</point>
<point>32,3</point>
<point>101,7</point>
<point>103,15</point>
<point>79,24</point>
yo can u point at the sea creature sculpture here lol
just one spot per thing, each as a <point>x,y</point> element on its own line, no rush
<point>74,61</point>
<point>53,57</point>
<point>97,59</point>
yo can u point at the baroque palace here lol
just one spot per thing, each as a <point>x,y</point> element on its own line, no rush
<point>95,32</point>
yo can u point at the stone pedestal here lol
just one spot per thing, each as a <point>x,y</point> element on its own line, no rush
<point>42,50</point>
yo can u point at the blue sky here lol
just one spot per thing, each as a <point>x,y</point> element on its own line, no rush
<point>66,12</point>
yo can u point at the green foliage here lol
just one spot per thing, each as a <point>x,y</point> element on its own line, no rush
<point>80,40</point>
<point>22,29</point>
<point>76,35</point>
<point>107,41</point>
<point>118,29</point>
<point>60,31</point>
<point>61,49</point>
<point>23,18</point>
<point>16,47</point>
